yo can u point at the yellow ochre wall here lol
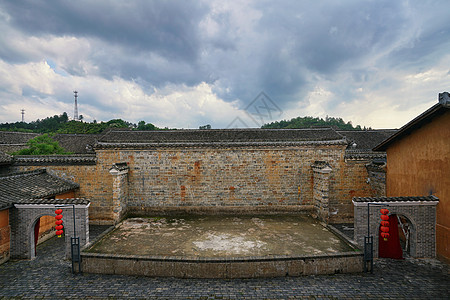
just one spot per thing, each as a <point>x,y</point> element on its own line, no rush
<point>418,165</point>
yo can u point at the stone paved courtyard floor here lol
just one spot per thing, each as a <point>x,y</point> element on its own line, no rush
<point>49,276</point>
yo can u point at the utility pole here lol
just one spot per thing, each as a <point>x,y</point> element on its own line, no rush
<point>75,110</point>
<point>23,113</point>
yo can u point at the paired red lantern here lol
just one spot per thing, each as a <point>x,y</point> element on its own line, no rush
<point>59,226</point>
<point>384,224</point>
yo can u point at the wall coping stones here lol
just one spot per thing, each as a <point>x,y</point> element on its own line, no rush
<point>52,160</point>
<point>221,135</point>
<point>104,145</point>
<point>416,200</point>
<point>73,201</point>
<point>119,168</point>
<point>321,167</point>
<point>351,154</point>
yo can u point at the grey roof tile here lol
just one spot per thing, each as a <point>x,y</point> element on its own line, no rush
<point>18,187</point>
<point>365,139</point>
<point>218,136</point>
<point>14,138</point>
<point>77,143</point>
<point>396,199</point>
<point>5,159</point>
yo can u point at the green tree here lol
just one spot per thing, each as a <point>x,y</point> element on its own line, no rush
<point>142,126</point>
<point>307,122</point>
<point>42,145</point>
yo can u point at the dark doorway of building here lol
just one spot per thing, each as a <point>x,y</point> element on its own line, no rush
<point>43,229</point>
<point>390,247</point>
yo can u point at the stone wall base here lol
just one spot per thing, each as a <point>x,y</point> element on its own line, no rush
<point>133,211</point>
<point>251,267</point>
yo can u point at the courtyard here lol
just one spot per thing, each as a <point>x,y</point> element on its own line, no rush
<point>49,276</point>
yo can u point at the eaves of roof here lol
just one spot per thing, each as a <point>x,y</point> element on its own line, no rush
<point>416,123</point>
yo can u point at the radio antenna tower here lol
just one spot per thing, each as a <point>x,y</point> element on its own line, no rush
<point>22,111</point>
<point>75,109</point>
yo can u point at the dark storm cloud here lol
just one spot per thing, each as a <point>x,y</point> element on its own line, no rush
<point>156,41</point>
<point>165,27</point>
<point>284,48</point>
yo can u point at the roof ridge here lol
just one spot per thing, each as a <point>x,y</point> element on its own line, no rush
<point>23,173</point>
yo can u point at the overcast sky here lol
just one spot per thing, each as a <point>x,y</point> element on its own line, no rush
<point>226,63</point>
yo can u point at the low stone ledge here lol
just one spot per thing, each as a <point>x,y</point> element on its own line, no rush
<point>228,267</point>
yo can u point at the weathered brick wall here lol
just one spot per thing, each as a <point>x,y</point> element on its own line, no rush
<point>377,179</point>
<point>222,177</point>
<point>263,176</point>
<point>348,180</point>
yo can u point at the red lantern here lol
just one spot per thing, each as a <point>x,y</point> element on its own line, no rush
<point>384,211</point>
<point>59,227</point>
<point>384,218</point>
<point>384,224</point>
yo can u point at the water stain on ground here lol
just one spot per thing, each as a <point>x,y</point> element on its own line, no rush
<point>221,236</point>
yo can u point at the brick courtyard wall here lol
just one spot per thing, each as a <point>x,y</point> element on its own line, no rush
<point>263,176</point>
<point>221,177</point>
<point>4,235</point>
<point>350,179</point>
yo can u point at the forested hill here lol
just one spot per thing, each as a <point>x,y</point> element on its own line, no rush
<point>61,124</point>
<point>307,122</point>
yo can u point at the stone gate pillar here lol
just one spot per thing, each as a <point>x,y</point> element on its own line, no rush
<point>119,171</point>
<point>321,189</point>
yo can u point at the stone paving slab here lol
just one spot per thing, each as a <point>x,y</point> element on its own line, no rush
<point>49,277</point>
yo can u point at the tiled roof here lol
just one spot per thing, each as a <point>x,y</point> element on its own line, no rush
<point>363,154</point>
<point>365,139</point>
<point>76,201</point>
<point>5,159</point>
<point>77,143</point>
<point>218,137</point>
<point>396,199</point>
<point>14,138</point>
<point>18,187</point>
